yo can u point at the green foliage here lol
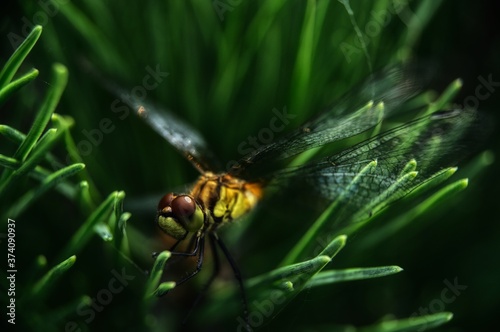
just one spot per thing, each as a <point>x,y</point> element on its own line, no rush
<point>229,65</point>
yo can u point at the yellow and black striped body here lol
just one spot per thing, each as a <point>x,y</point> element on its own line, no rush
<point>224,198</point>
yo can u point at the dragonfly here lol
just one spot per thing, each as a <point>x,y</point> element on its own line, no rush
<point>370,169</point>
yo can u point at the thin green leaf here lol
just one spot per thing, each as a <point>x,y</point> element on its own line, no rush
<point>15,61</point>
<point>84,233</point>
<point>164,288</point>
<point>41,288</point>
<point>442,194</point>
<point>281,285</point>
<point>83,197</point>
<point>120,234</point>
<point>48,183</point>
<point>94,36</point>
<point>117,212</point>
<point>301,271</point>
<point>303,63</point>
<point>380,109</point>
<point>12,134</point>
<point>446,97</point>
<point>411,166</point>
<point>416,24</point>
<point>41,149</point>
<point>394,192</point>
<point>62,122</point>
<point>39,153</point>
<point>359,34</point>
<point>14,86</point>
<point>313,231</point>
<point>387,230</point>
<point>74,156</point>
<point>104,232</point>
<point>431,182</point>
<point>59,80</point>
<point>333,276</point>
<point>416,323</point>
<point>9,162</point>
<point>67,310</point>
<point>155,276</point>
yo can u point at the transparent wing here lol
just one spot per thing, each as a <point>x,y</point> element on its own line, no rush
<point>374,173</point>
<point>355,113</point>
<point>188,141</point>
<point>180,135</point>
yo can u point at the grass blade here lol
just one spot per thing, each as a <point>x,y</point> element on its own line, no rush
<point>14,86</point>
<point>48,183</point>
<point>151,288</point>
<point>83,234</point>
<point>422,323</point>
<point>313,231</point>
<point>15,61</point>
<point>40,289</point>
<point>333,276</point>
<point>59,80</point>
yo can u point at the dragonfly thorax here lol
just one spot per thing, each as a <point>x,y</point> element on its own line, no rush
<point>225,198</point>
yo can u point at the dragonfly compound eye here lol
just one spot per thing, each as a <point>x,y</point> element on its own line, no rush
<point>187,212</point>
<point>165,201</point>
<point>179,215</point>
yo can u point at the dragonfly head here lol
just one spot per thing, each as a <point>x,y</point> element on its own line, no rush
<point>179,215</point>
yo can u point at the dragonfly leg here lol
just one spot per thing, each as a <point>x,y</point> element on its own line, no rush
<point>215,272</point>
<point>156,253</point>
<point>237,275</point>
<point>199,250</point>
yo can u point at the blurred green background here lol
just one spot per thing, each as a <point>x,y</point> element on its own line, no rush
<point>229,64</point>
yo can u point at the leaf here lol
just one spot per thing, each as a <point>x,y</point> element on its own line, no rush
<point>152,288</point>
<point>313,231</point>
<point>48,183</point>
<point>416,323</point>
<point>333,276</point>
<point>14,86</point>
<point>41,288</point>
<point>10,68</point>
<point>59,80</point>
<point>283,284</point>
<point>56,88</point>
<point>86,230</point>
